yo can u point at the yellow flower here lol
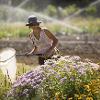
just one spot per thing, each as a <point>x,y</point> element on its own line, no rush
<point>89,98</point>
<point>76,95</point>
<point>70,98</point>
<point>82,95</point>
<point>79,98</point>
<point>57,95</point>
<point>87,87</point>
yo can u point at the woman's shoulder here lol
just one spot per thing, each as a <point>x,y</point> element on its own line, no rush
<point>44,28</point>
<point>30,33</point>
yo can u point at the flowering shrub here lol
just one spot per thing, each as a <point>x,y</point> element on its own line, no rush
<point>61,78</point>
<point>24,88</point>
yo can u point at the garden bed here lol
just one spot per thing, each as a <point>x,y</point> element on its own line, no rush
<point>60,78</point>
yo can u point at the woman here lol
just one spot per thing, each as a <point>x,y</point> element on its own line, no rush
<point>44,41</point>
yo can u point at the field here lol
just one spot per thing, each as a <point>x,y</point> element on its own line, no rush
<point>89,25</point>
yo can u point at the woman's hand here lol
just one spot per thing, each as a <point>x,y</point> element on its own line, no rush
<point>27,54</point>
<point>47,53</point>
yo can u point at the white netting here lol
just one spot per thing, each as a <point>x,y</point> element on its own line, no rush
<point>8,63</point>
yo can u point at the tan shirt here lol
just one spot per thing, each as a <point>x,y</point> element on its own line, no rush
<point>43,44</point>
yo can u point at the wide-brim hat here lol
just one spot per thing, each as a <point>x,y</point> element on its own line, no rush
<point>32,20</point>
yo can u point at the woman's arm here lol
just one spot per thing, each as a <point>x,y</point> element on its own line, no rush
<point>52,37</point>
<point>30,36</point>
<point>32,51</point>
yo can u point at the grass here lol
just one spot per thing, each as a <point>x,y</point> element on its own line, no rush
<point>13,30</point>
<point>89,25</point>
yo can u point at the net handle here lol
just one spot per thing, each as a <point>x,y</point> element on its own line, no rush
<point>20,55</point>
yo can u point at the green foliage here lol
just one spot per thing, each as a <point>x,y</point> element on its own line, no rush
<point>4,86</point>
<point>22,68</point>
<point>54,27</point>
<point>59,29</point>
<point>70,9</point>
<point>89,25</point>
<point>90,10</point>
<point>3,13</point>
<point>8,30</point>
<point>51,10</point>
<point>60,12</point>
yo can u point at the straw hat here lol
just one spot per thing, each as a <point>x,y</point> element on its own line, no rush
<point>32,20</point>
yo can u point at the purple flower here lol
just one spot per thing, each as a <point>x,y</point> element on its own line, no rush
<point>63,80</point>
<point>82,70</point>
<point>25,91</point>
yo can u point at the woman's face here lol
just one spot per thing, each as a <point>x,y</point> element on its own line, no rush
<point>33,26</point>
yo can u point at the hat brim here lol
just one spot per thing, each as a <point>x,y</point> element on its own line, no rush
<point>30,24</point>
